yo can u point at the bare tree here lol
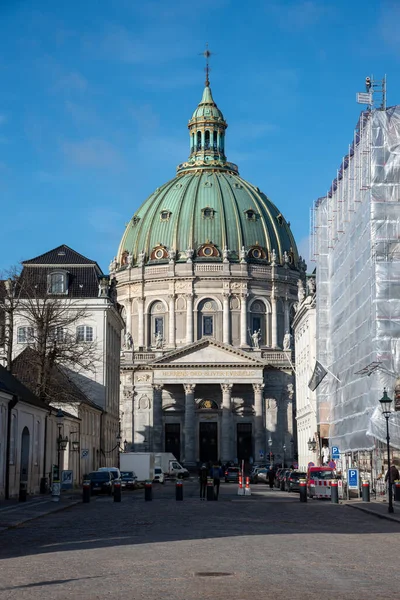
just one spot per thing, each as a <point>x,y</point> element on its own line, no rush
<point>9,300</point>
<point>51,330</point>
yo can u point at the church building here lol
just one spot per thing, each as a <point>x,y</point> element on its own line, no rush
<point>208,273</point>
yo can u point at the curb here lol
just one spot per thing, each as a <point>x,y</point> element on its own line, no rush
<point>372,512</point>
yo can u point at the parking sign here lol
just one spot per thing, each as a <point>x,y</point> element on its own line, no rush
<point>335,453</point>
<point>352,478</point>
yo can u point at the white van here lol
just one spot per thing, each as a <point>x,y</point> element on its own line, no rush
<point>115,472</point>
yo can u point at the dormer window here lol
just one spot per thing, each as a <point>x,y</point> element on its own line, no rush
<point>207,213</point>
<point>165,215</point>
<point>250,215</point>
<point>57,282</point>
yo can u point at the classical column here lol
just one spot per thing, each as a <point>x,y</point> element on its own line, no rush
<point>259,437</point>
<point>226,425</point>
<point>171,299</point>
<point>274,322</point>
<point>157,418</point>
<point>140,302</point>
<point>225,333</point>
<point>128,311</point>
<point>243,319</point>
<point>287,317</point>
<point>190,425</point>
<point>189,318</point>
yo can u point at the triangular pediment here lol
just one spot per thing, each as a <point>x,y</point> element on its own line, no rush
<point>206,352</point>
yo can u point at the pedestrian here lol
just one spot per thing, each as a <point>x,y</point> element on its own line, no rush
<point>394,475</point>
<point>203,481</point>
<point>271,477</point>
<point>216,475</point>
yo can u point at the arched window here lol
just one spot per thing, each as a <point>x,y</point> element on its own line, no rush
<point>57,282</point>
<point>199,140</point>
<point>84,333</point>
<point>222,142</point>
<point>215,141</point>
<point>207,318</point>
<point>207,141</point>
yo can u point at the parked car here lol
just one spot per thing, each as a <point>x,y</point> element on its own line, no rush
<point>260,476</point>
<point>115,472</point>
<point>101,482</point>
<point>232,475</point>
<point>158,475</point>
<point>292,483</point>
<point>128,479</point>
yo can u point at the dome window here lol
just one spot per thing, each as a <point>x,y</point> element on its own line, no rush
<point>207,213</point>
<point>158,253</point>
<point>165,215</point>
<point>257,253</point>
<point>207,183</point>
<point>250,215</point>
<point>207,140</point>
<point>238,186</point>
<point>135,220</point>
<point>279,218</point>
<point>208,250</point>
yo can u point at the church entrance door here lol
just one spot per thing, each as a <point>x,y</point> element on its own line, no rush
<point>244,441</point>
<point>173,439</point>
<point>208,441</point>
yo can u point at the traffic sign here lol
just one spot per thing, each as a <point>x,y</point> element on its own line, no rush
<point>261,453</point>
<point>311,464</point>
<point>352,478</point>
<point>332,464</point>
<point>335,452</point>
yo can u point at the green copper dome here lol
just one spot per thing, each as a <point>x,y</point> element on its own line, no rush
<point>207,212</point>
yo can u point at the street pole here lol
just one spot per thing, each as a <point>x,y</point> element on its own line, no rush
<point>390,509</point>
<point>59,453</point>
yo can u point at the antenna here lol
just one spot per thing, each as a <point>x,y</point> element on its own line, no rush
<point>373,87</point>
<point>207,53</point>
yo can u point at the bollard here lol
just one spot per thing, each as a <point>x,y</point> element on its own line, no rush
<point>303,490</point>
<point>397,490</point>
<point>86,490</point>
<point>365,493</point>
<point>247,490</point>
<point>148,491</point>
<point>210,488</point>
<point>240,487</point>
<point>117,490</point>
<point>23,490</point>
<point>334,491</point>
<point>179,490</point>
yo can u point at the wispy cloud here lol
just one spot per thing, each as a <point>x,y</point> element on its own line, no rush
<point>71,82</point>
<point>94,153</point>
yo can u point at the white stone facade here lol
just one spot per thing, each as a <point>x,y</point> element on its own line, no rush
<point>304,327</point>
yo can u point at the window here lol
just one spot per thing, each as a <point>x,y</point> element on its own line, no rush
<point>207,325</point>
<point>199,140</point>
<point>84,333</point>
<point>158,325</point>
<point>256,323</point>
<point>57,283</point>
<point>57,334</point>
<point>25,335</point>
<point>207,141</point>
<point>165,215</point>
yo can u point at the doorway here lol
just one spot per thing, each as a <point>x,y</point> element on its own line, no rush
<point>208,442</point>
<point>244,441</point>
<point>173,439</point>
<point>25,442</point>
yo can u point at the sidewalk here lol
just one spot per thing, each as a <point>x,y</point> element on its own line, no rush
<point>378,508</point>
<point>14,513</point>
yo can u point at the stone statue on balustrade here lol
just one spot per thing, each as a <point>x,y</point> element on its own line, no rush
<point>128,341</point>
<point>159,340</point>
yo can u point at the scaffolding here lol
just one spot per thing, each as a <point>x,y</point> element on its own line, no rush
<point>356,247</point>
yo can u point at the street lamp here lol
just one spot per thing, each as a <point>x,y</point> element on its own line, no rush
<point>312,445</point>
<point>386,403</point>
<point>284,450</point>
<point>270,451</point>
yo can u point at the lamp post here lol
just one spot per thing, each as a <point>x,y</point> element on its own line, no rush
<point>270,451</point>
<point>386,403</point>
<point>61,445</point>
<point>284,450</point>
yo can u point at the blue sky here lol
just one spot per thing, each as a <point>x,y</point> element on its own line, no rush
<point>95,97</point>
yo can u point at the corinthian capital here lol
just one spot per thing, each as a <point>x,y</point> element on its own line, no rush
<point>189,388</point>
<point>258,387</point>
<point>158,387</point>
<point>226,387</point>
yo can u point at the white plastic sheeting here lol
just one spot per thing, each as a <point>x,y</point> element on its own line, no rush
<point>377,427</point>
<point>357,252</point>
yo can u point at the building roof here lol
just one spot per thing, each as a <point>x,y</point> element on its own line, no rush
<point>208,202</point>
<point>61,389</point>
<point>62,255</point>
<point>83,273</point>
<point>11,384</point>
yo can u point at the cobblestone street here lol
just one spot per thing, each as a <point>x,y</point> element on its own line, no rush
<point>266,545</point>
